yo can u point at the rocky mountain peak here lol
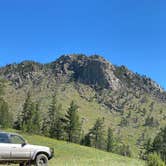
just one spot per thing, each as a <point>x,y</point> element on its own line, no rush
<point>93,70</point>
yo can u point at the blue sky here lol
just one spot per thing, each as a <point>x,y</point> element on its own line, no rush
<point>128,32</point>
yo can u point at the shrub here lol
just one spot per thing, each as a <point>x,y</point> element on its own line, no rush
<point>154,160</point>
<point>123,150</point>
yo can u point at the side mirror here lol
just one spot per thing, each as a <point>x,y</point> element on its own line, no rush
<point>23,144</point>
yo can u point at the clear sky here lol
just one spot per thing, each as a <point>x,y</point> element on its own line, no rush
<point>128,32</point>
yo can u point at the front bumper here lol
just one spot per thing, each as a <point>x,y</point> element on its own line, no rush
<point>52,153</point>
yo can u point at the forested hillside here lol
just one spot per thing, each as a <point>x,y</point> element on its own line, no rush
<point>85,100</point>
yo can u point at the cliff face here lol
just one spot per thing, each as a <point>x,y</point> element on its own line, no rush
<point>94,71</point>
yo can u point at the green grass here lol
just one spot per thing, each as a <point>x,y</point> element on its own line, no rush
<point>68,154</point>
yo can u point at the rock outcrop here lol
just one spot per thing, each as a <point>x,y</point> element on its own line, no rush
<point>90,70</point>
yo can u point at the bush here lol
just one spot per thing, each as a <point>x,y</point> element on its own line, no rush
<point>154,160</point>
<point>123,150</point>
<point>159,144</point>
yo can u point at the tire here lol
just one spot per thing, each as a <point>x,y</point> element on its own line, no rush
<point>41,160</point>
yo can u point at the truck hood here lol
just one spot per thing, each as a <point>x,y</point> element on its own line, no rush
<point>37,147</point>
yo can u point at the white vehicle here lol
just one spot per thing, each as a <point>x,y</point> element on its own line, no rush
<point>14,149</point>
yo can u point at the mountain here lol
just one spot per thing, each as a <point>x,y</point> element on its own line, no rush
<point>94,71</point>
<point>133,105</point>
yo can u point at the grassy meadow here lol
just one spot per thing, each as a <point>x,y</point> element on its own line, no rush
<point>68,154</point>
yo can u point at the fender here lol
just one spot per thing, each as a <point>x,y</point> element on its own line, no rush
<point>40,152</point>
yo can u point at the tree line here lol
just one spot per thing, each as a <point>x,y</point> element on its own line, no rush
<point>56,125</point>
<point>156,149</point>
<point>68,127</point>
<point>61,126</point>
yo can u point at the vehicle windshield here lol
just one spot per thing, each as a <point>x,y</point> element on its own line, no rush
<point>4,138</point>
<point>16,139</point>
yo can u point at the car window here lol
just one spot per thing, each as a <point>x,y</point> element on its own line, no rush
<point>15,139</point>
<point>4,138</point>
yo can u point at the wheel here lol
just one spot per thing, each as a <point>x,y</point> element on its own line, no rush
<point>41,160</point>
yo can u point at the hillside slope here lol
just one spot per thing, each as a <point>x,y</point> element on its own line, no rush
<point>133,106</point>
<point>68,154</point>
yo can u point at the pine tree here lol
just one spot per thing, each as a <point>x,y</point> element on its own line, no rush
<point>5,117</point>
<point>110,140</point>
<point>55,118</point>
<point>35,119</point>
<point>97,133</point>
<point>45,127</point>
<point>73,125</point>
<point>148,146</point>
<point>26,115</point>
<point>29,119</point>
<point>86,140</point>
<point>18,123</point>
<point>159,144</point>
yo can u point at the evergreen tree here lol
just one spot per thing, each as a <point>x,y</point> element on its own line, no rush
<point>159,144</point>
<point>5,116</point>
<point>17,123</point>
<point>73,125</point>
<point>110,140</point>
<point>45,127</point>
<point>29,120</point>
<point>86,140</point>
<point>148,146</point>
<point>35,119</point>
<point>26,115</point>
<point>55,117</point>
<point>96,134</point>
